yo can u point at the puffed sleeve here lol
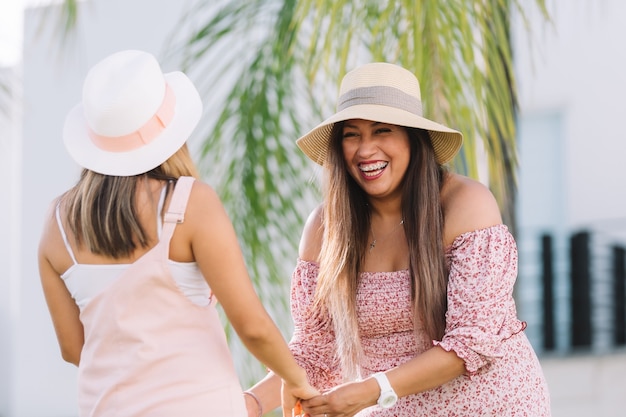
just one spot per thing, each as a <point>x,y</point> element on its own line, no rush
<point>481,311</point>
<point>312,343</point>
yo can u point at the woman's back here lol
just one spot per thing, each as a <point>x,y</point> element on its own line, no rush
<point>148,350</point>
<point>85,281</point>
<point>148,194</point>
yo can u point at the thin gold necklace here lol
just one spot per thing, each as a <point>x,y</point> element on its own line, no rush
<point>373,244</point>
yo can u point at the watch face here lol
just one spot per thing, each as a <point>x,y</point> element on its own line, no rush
<point>387,399</point>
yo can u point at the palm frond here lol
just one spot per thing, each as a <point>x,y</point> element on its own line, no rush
<point>63,18</point>
<point>6,93</point>
<point>9,95</point>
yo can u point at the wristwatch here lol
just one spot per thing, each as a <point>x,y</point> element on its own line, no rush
<point>388,396</point>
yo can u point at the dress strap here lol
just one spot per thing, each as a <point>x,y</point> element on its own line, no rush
<point>63,234</point>
<point>176,211</point>
<point>160,210</point>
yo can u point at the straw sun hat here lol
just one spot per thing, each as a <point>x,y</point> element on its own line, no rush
<point>385,93</point>
<point>132,117</point>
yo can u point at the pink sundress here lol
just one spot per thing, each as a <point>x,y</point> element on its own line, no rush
<point>503,378</point>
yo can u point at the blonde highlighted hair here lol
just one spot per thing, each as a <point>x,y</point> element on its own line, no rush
<point>101,210</point>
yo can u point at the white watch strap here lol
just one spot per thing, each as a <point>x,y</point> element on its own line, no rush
<point>383,382</point>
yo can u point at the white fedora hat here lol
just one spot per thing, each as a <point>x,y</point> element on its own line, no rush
<point>385,93</point>
<point>132,117</point>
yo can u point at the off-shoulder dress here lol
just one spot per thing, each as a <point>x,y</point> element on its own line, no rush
<point>503,378</point>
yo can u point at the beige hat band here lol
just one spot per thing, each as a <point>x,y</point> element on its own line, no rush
<point>380,95</point>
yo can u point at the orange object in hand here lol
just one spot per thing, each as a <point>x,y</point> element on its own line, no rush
<point>297,410</point>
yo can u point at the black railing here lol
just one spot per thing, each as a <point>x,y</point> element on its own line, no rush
<point>547,278</point>
<point>580,282</point>
<point>619,295</point>
<point>595,310</point>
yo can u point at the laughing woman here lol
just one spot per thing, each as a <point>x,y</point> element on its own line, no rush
<point>402,293</point>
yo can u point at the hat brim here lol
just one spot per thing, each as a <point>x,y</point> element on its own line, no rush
<point>446,141</point>
<point>187,113</point>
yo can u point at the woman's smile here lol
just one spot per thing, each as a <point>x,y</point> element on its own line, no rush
<point>372,170</point>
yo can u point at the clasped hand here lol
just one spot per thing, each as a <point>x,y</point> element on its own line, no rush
<point>342,401</point>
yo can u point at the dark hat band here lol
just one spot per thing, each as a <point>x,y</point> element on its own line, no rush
<point>380,95</point>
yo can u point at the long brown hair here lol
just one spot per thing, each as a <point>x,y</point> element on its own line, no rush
<point>347,218</point>
<point>102,212</point>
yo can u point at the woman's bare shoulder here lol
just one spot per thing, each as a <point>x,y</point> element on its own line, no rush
<point>468,205</point>
<point>203,199</point>
<point>204,211</point>
<point>312,235</point>
<point>51,245</point>
<point>50,228</point>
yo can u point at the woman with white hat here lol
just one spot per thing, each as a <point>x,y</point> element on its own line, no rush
<point>134,257</point>
<point>402,293</point>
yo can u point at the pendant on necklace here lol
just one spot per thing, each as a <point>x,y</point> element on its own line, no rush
<point>373,244</point>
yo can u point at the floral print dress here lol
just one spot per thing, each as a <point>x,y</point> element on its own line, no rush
<point>503,375</point>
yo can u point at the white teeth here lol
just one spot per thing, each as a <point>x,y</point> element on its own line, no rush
<point>373,167</point>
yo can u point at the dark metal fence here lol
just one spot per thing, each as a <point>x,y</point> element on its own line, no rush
<point>577,301</point>
<point>619,295</point>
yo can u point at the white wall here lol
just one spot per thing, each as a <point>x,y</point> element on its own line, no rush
<point>576,70</point>
<point>571,89</point>
<point>10,151</point>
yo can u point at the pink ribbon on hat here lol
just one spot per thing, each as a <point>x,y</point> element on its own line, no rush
<point>145,134</point>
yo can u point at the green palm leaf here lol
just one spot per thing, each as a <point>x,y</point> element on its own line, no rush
<point>5,92</point>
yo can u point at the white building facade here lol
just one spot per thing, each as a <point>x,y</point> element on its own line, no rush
<point>571,148</point>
